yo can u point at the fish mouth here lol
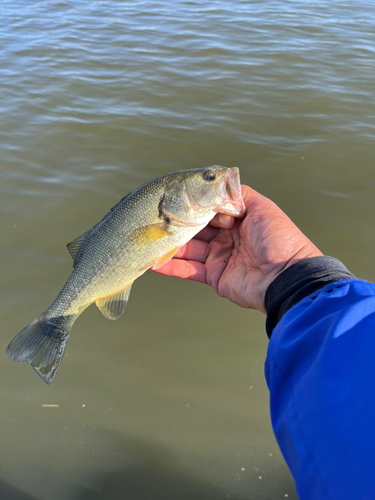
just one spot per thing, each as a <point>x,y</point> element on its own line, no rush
<point>231,195</point>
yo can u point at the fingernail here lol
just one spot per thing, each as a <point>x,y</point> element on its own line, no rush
<point>226,221</point>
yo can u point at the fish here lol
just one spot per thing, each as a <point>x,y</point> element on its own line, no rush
<point>143,230</point>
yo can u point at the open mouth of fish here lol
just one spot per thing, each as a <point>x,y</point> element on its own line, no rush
<point>230,192</point>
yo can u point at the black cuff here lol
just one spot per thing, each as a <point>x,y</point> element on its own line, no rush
<point>299,281</point>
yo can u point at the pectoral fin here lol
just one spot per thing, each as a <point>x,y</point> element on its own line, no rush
<point>165,258</point>
<point>112,307</point>
<point>148,234</point>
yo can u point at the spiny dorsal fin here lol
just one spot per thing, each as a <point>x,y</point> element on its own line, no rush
<point>75,245</point>
<point>112,307</point>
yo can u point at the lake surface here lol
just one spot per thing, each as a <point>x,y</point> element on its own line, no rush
<point>169,402</point>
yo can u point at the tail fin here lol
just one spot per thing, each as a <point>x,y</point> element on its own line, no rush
<point>42,344</point>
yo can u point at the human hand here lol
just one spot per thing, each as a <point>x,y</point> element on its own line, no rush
<point>241,258</point>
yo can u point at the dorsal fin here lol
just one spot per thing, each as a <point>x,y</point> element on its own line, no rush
<point>74,246</point>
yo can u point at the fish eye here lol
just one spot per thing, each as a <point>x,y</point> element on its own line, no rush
<point>210,175</point>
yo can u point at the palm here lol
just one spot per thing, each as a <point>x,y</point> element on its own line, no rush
<point>240,262</point>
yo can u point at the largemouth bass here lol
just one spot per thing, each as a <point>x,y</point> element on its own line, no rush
<point>144,230</point>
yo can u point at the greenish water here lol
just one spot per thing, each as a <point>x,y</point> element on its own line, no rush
<point>168,402</point>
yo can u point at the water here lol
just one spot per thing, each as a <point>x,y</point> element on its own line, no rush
<point>169,402</point>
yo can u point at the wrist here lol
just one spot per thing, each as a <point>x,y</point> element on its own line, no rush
<point>308,251</point>
<point>297,282</point>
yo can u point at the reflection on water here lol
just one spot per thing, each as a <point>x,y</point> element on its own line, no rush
<point>99,97</point>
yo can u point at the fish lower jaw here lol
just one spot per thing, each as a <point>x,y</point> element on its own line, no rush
<point>193,221</point>
<point>233,205</point>
<point>229,209</point>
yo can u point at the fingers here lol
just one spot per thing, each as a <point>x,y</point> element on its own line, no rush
<point>207,234</point>
<point>184,269</point>
<point>196,250</point>
<point>223,221</point>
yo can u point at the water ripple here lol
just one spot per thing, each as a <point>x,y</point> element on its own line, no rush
<point>90,83</point>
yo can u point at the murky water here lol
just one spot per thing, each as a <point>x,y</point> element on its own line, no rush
<point>169,402</point>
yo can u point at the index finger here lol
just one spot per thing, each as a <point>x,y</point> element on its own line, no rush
<point>207,234</point>
<point>196,250</point>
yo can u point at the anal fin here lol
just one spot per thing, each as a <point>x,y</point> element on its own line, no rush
<point>113,306</point>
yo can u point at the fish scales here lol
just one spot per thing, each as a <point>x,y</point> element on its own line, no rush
<point>143,230</point>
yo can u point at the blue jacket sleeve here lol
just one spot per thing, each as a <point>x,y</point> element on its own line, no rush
<point>320,370</point>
